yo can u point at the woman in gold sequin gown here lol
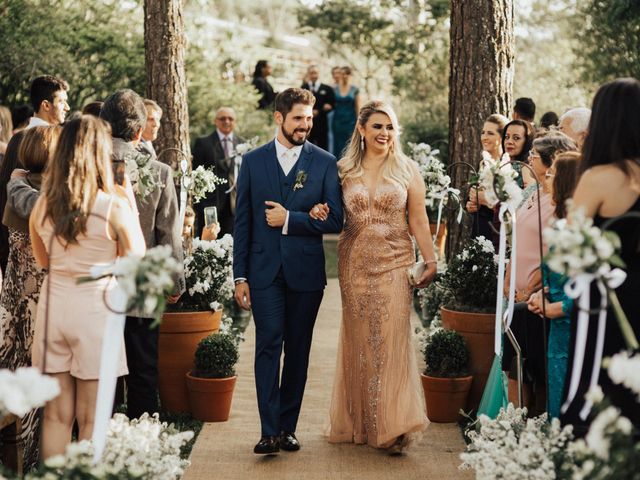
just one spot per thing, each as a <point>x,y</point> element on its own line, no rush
<point>377,398</point>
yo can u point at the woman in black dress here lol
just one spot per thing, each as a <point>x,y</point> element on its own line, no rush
<point>611,163</point>
<point>262,85</point>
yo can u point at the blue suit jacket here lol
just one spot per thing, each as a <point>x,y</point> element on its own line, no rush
<point>260,250</point>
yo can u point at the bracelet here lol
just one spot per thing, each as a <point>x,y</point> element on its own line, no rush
<point>427,262</point>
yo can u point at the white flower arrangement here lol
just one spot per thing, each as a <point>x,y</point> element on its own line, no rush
<point>498,181</point>
<point>514,446</point>
<point>142,448</point>
<point>143,179</point>
<point>436,180</point>
<point>145,280</point>
<point>202,181</point>
<point>245,147</point>
<point>25,389</point>
<point>208,274</point>
<point>624,369</point>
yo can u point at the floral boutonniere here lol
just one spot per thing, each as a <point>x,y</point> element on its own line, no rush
<point>301,177</point>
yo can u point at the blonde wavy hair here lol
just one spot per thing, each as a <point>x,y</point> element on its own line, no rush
<point>397,166</point>
<point>79,167</point>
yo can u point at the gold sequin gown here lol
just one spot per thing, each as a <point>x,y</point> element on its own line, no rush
<point>377,394</point>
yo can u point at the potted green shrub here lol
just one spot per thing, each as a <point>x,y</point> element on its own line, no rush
<point>211,382</point>
<point>209,282</point>
<point>469,307</point>
<point>446,380</point>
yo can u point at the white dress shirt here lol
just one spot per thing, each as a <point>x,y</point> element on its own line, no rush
<point>287,158</point>
<point>36,122</point>
<point>314,87</point>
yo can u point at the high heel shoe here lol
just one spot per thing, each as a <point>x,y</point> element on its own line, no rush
<point>396,448</point>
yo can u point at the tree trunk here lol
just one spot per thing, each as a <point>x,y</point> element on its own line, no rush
<point>165,45</point>
<point>480,83</point>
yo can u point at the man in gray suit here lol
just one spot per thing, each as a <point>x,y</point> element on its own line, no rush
<point>216,151</point>
<point>159,219</point>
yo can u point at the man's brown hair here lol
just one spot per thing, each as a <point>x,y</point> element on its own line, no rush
<point>286,99</point>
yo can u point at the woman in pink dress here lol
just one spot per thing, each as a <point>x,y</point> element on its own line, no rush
<point>377,399</point>
<point>77,223</point>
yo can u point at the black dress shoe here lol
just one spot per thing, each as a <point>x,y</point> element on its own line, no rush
<point>289,442</point>
<point>267,446</point>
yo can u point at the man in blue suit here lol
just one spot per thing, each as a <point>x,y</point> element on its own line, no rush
<point>278,260</point>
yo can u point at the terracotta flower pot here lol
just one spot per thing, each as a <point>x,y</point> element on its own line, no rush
<point>180,333</point>
<point>478,331</point>
<point>441,239</point>
<point>210,398</point>
<point>445,397</point>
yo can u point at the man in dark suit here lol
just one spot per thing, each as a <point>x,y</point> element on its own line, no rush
<point>278,254</point>
<point>325,102</point>
<point>124,110</point>
<point>216,151</point>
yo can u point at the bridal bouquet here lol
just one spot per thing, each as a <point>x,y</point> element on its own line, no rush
<point>144,448</point>
<point>138,168</point>
<point>25,389</point>
<point>146,281</point>
<point>208,273</point>
<point>498,181</point>
<point>202,181</point>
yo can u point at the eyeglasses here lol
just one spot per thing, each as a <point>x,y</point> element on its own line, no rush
<point>226,119</point>
<point>533,154</point>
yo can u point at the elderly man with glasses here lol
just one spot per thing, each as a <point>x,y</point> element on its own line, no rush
<point>217,151</point>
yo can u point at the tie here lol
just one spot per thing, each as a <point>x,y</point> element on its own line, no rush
<point>225,147</point>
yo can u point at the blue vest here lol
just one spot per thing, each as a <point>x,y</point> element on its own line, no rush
<point>287,181</point>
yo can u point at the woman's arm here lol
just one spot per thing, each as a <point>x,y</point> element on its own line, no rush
<point>37,245</point>
<point>127,228</point>
<point>419,225</point>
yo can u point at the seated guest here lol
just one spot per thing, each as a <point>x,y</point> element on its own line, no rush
<point>524,109</point>
<point>23,278</point>
<point>561,180</point>
<point>216,151</point>
<point>549,120</point>
<point>103,226</point>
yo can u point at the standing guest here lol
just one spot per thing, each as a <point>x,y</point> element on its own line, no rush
<point>150,132</point>
<point>9,163</point>
<point>575,123</point>
<point>6,129</point>
<point>23,278</point>
<point>345,112</point>
<point>527,328</point>
<point>524,109</point>
<point>262,85</point>
<point>49,101</point>
<point>160,223</point>
<point>92,108</point>
<point>77,314</point>
<point>278,261</point>
<point>377,398</point>
<point>611,163</point>
<point>561,180</point>
<point>325,101</point>
<point>336,72</point>
<point>216,151</point>
<point>491,140</point>
<point>20,117</point>
<point>549,120</point>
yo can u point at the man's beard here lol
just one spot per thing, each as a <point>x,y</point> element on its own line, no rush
<point>289,135</point>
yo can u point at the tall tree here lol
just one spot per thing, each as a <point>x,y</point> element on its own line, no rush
<point>480,83</point>
<point>165,45</point>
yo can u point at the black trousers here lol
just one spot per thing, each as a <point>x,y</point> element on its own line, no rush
<point>141,344</point>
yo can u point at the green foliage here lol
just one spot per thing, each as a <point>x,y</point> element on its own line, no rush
<point>471,278</point>
<point>208,91</point>
<point>446,354</point>
<point>97,47</point>
<point>609,39</point>
<point>216,356</point>
<point>432,298</point>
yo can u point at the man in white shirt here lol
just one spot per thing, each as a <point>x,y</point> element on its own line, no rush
<point>217,151</point>
<point>49,100</point>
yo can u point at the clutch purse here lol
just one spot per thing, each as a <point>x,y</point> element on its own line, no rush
<point>415,271</point>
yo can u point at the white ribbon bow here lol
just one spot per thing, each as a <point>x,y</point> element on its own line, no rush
<point>441,196</point>
<point>504,209</point>
<point>237,163</point>
<point>580,288</point>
